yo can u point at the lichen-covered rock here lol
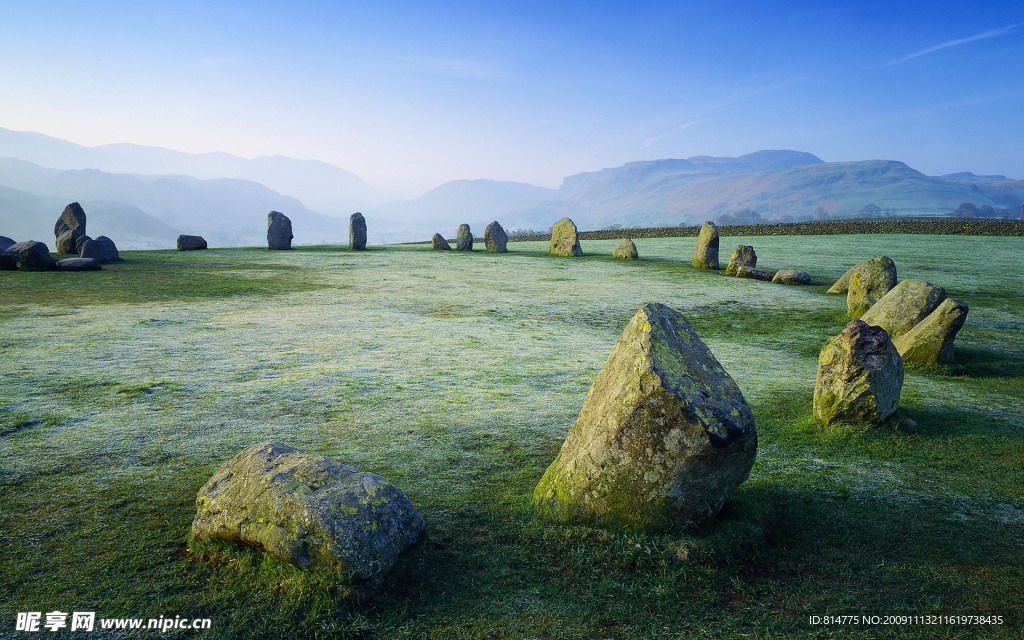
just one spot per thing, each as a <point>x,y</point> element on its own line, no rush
<point>565,239</point>
<point>663,437</point>
<point>464,238</point>
<point>307,510</point>
<point>626,250</point>
<point>905,305</point>
<point>357,232</point>
<point>705,255</point>
<point>69,227</point>
<point>860,376</point>
<point>101,249</point>
<point>743,254</point>
<point>745,271</point>
<point>931,340</point>
<point>791,276</point>
<point>438,242</point>
<point>495,238</point>
<point>842,285</point>
<point>32,256</point>
<point>869,281</point>
<point>279,231</point>
<point>191,243</point>
<point>79,264</point>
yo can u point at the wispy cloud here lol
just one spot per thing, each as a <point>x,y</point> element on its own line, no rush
<point>683,127</point>
<point>994,33</point>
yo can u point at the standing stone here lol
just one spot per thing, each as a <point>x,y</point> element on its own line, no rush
<point>307,510</point>
<point>869,281</point>
<point>905,305</point>
<point>438,242</point>
<point>191,243</point>
<point>70,226</point>
<point>705,256</point>
<point>565,239</point>
<point>32,256</point>
<point>357,232</point>
<point>102,249</point>
<point>279,231</point>
<point>495,238</point>
<point>5,242</point>
<point>626,250</point>
<point>464,239</point>
<point>791,276</point>
<point>663,437</point>
<point>932,339</point>
<point>842,285</point>
<point>860,376</point>
<point>79,264</point>
<point>742,255</point>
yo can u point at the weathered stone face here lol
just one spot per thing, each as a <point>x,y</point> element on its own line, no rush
<point>357,232</point>
<point>905,305</point>
<point>81,241</point>
<point>791,276</point>
<point>860,376</point>
<point>744,271</point>
<point>626,250</point>
<point>565,239</point>
<point>69,227</point>
<point>438,242</point>
<point>464,238</point>
<point>32,256</point>
<point>495,238</point>
<point>705,256</point>
<point>869,281</point>
<point>279,231</point>
<point>931,340</point>
<point>79,264</point>
<point>743,254</point>
<point>307,510</point>
<point>191,243</point>
<point>663,437</point>
<point>101,249</point>
<point>842,285</point>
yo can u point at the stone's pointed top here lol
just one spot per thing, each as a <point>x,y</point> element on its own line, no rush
<point>439,243</point>
<point>69,227</point>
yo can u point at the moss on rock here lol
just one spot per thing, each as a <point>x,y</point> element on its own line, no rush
<point>869,281</point>
<point>931,340</point>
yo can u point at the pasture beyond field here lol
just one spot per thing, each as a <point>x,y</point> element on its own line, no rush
<point>457,376</point>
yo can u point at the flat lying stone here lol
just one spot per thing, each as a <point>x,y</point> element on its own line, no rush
<point>745,271</point>
<point>79,264</point>
<point>791,276</point>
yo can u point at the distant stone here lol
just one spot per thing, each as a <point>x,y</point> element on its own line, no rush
<point>663,437</point>
<point>626,250</point>
<point>32,256</point>
<point>464,239</point>
<point>565,239</point>
<point>869,281</point>
<point>791,276</point>
<point>191,243</point>
<point>307,510</point>
<point>79,242</point>
<point>438,242</point>
<point>5,242</point>
<point>842,285</point>
<point>102,249</point>
<point>860,376</point>
<point>79,264</point>
<point>69,227</point>
<point>357,232</point>
<point>931,340</point>
<point>905,305</point>
<point>495,238</point>
<point>279,231</point>
<point>743,254</point>
<point>705,256</point>
<point>744,271</point>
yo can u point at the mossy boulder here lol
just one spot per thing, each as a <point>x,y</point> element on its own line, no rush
<point>464,238</point>
<point>745,271</point>
<point>438,243</point>
<point>663,437</point>
<point>842,285</point>
<point>742,255</point>
<point>931,340</point>
<point>307,510</point>
<point>905,305</point>
<point>101,249</point>
<point>860,376</point>
<point>626,250</point>
<point>791,276</point>
<point>869,281</point>
<point>705,255</point>
<point>70,226</point>
<point>279,231</point>
<point>565,239</point>
<point>32,256</point>
<point>357,232</point>
<point>495,238</point>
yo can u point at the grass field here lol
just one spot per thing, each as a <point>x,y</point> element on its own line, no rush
<point>457,376</point>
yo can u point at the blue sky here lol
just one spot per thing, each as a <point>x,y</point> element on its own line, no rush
<point>412,94</point>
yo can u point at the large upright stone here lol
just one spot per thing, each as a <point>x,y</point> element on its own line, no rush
<point>69,227</point>
<point>495,238</point>
<point>742,255</point>
<point>307,510</point>
<point>191,243</point>
<point>279,231</point>
<point>439,243</point>
<point>102,249</point>
<point>357,232</point>
<point>931,340</point>
<point>626,250</point>
<point>705,255</point>
<point>905,305</point>
<point>32,256</point>
<point>464,238</point>
<point>663,437</point>
<point>869,281</point>
<point>860,376</point>
<point>565,239</point>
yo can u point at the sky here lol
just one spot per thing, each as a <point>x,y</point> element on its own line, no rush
<point>409,95</point>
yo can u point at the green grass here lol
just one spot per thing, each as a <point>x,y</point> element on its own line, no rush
<point>457,376</point>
